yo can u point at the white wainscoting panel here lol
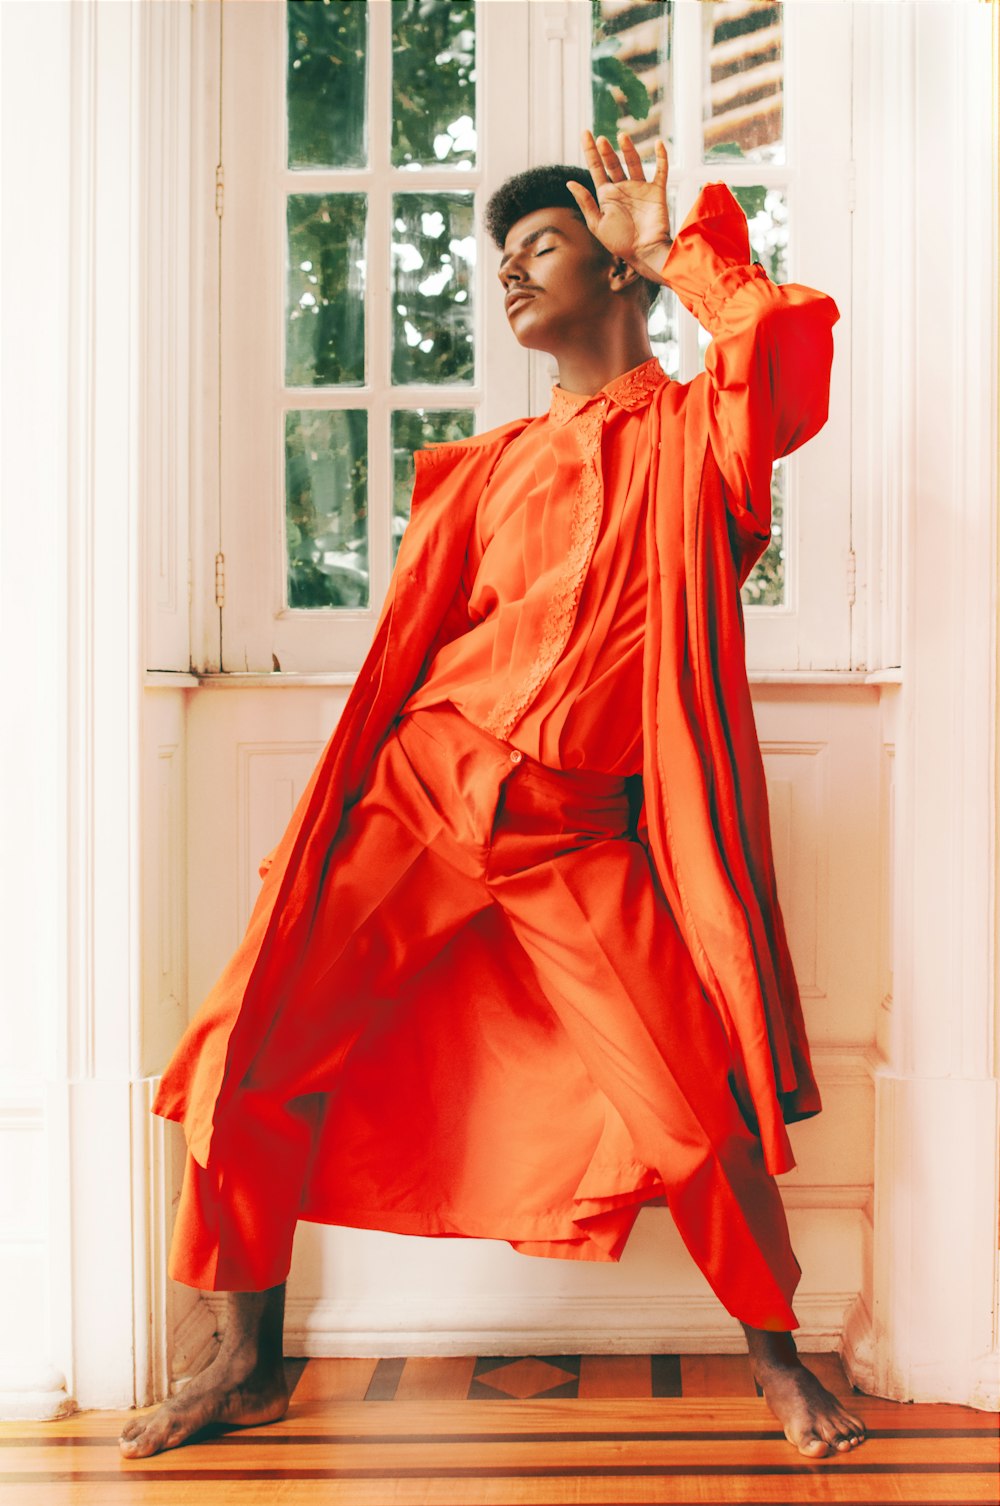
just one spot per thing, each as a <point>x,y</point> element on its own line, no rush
<point>251,754</point>
<point>360,1291</point>
<point>164,874</point>
<point>271,777</point>
<point>889,887</point>
<point>820,750</point>
<point>798,791</point>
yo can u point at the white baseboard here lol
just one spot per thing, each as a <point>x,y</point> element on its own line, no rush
<point>36,1398</point>
<point>985,1393</point>
<point>857,1347</point>
<point>546,1325</point>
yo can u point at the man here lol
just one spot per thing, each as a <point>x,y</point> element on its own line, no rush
<point>518,965</point>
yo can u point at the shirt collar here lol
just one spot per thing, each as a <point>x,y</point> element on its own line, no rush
<point>631,390</point>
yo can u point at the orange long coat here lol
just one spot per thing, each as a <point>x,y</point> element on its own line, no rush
<point>764,392</point>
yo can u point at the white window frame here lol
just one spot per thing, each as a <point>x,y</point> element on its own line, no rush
<point>811,630</point>
<point>541,112</point>
<point>258,632</point>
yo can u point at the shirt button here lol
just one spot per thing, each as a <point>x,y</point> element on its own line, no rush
<point>516,755</point>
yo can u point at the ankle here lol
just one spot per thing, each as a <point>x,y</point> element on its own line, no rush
<point>252,1341</point>
<point>770,1350</point>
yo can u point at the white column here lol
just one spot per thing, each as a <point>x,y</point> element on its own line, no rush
<point>33,562</point>
<point>933,1334</point>
<point>76,1286</point>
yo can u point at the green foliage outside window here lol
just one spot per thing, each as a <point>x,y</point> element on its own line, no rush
<point>617,90</point>
<point>433,83</point>
<point>433,264</point>
<point>327,83</point>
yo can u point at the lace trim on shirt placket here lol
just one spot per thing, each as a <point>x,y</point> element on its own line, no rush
<point>560,614</point>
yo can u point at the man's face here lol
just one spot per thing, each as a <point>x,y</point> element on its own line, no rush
<point>556,279</point>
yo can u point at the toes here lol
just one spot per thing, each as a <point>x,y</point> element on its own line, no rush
<point>134,1448</point>
<point>850,1431</point>
<point>812,1445</point>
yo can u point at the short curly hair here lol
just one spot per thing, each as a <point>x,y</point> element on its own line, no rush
<point>543,188</point>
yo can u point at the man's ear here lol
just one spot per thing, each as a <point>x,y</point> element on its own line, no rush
<point>622,275</point>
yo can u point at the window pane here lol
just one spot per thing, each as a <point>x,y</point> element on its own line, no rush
<point>414,429</point>
<point>744,69</point>
<point>433,83</point>
<point>664,316</point>
<point>433,261</point>
<point>325,323</point>
<point>766,210</point>
<point>326,508</point>
<point>327,83</point>
<point>765,585</point>
<point>664,337</point>
<point>631,70</point>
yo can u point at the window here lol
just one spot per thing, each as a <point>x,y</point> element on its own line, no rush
<point>358,316</point>
<point>756,95</point>
<point>359,143</point>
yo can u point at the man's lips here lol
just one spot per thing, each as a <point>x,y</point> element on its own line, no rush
<point>517,296</point>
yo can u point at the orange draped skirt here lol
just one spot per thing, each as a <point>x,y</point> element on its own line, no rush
<point>496,1032</point>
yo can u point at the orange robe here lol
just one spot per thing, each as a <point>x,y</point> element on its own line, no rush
<point>555,577</point>
<point>705,818</point>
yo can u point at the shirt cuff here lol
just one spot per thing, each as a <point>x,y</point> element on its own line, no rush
<point>710,258</point>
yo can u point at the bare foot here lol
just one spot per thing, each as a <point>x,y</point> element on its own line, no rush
<point>243,1386</point>
<point>216,1395</point>
<point>811,1416</point>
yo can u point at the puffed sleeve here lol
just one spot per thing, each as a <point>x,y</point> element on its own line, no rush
<point>768,366</point>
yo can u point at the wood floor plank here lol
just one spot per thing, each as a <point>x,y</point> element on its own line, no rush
<point>436,1378</point>
<point>828,1369</point>
<point>332,1380</point>
<point>567,1491</point>
<point>706,1454</point>
<point>610,1449</point>
<point>614,1375</point>
<point>679,1414</point>
<point>716,1375</point>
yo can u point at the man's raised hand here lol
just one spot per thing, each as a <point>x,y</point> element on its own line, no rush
<point>629,216</point>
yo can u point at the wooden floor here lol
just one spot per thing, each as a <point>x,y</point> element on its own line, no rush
<point>578,1429</point>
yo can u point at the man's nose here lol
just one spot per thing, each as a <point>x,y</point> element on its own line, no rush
<point>512,272</point>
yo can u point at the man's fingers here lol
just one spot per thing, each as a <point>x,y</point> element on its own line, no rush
<point>631,158</point>
<point>593,157</point>
<point>609,157</point>
<point>586,203</point>
<point>662,165</point>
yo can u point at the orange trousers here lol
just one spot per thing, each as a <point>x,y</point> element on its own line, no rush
<point>496,1031</point>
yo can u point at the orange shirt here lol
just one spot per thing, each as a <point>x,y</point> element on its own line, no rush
<point>556,583</point>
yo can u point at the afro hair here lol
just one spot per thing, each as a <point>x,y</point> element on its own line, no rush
<point>543,188</point>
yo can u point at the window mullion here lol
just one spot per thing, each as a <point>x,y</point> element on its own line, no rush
<point>378,281</point>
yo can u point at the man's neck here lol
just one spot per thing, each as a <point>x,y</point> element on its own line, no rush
<point>584,370</point>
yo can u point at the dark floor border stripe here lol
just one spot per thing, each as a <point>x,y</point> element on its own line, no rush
<point>385,1379</point>
<point>249,1436</point>
<point>665,1374</point>
<point>499,1472</point>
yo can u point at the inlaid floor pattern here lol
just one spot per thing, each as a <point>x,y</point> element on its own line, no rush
<point>538,1430</point>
